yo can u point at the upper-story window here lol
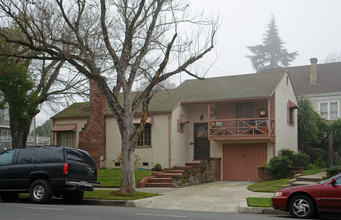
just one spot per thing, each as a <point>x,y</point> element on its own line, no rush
<point>6,115</point>
<point>291,113</point>
<point>329,110</point>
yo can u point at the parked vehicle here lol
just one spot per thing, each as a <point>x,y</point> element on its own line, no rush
<point>46,171</point>
<point>309,200</point>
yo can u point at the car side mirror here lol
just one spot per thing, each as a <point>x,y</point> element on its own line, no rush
<point>333,181</point>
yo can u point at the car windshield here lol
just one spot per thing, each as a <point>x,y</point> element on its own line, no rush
<point>324,181</point>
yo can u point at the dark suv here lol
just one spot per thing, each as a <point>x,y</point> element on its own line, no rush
<point>46,171</point>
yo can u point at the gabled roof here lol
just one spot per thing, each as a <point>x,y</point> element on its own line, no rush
<point>247,86</point>
<point>328,78</point>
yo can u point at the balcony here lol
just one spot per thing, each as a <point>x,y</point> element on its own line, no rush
<point>245,128</point>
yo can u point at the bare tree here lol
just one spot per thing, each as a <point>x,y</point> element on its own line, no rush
<point>123,40</point>
<point>333,57</point>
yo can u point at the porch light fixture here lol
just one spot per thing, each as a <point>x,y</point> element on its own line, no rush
<point>181,123</point>
<point>201,117</point>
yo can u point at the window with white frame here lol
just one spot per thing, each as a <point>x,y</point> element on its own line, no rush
<point>329,110</point>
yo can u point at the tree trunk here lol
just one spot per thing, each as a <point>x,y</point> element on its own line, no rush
<point>331,152</point>
<point>128,158</point>
<point>19,134</point>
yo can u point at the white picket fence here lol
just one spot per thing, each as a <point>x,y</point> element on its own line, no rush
<point>6,141</point>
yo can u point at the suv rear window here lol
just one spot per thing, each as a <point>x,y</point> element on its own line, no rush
<point>51,155</point>
<point>79,156</point>
<point>6,157</point>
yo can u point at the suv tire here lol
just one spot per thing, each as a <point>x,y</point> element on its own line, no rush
<point>9,196</point>
<point>73,197</point>
<point>40,191</point>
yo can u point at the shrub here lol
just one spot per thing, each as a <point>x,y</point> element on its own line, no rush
<point>318,157</point>
<point>287,153</point>
<point>301,160</point>
<point>332,171</point>
<point>279,165</point>
<point>157,167</point>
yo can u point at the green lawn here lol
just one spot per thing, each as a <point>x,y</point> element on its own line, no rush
<point>314,171</point>
<point>258,202</point>
<point>115,195</point>
<point>112,177</point>
<point>268,186</point>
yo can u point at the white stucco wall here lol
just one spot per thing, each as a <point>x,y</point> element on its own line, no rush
<point>80,124</point>
<point>180,142</point>
<point>157,153</point>
<point>286,135</point>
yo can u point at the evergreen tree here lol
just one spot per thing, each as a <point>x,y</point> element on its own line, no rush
<point>270,54</point>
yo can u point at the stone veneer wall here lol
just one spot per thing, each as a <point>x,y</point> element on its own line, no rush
<point>265,174</point>
<point>208,171</point>
<point>92,136</point>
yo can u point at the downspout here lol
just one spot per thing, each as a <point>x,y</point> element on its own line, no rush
<point>169,140</point>
<point>269,117</point>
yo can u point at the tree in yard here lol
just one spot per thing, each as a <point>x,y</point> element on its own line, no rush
<point>310,125</point>
<point>335,139</point>
<point>270,54</point>
<point>125,41</point>
<point>26,84</point>
<point>44,130</point>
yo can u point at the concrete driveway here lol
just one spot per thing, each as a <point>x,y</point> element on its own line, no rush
<point>222,196</point>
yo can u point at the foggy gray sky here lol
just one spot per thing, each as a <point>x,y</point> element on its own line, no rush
<point>311,27</point>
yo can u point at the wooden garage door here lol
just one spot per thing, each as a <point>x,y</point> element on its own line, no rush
<point>241,161</point>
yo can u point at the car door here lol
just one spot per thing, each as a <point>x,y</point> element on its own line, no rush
<point>23,167</point>
<point>6,160</point>
<point>331,195</point>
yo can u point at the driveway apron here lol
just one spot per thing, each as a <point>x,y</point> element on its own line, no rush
<point>222,196</point>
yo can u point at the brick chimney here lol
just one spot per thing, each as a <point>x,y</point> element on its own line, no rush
<point>313,71</point>
<point>92,136</point>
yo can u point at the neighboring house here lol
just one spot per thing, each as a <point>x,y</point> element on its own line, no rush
<point>321,83</point>
<point>5,132</point>
<point>245,120</point>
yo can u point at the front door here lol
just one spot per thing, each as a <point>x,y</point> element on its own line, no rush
<point>201,142</point>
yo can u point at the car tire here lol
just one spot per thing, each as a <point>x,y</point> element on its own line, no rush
<point>9,196</point>
<point>40,191</point>
<point>73,197</point>
<point>302,206</point>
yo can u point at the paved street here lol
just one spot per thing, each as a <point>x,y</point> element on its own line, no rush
<point>28,211</point>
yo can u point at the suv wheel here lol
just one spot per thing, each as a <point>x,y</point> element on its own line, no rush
<point>40,191</point>
<point>9,196</point>
<point>301,206</point>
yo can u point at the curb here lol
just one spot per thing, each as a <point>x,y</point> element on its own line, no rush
<point>140,203</point>
<point>243,208</point>
<point>121,203</point>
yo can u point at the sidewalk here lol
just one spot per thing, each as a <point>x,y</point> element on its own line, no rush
<point>222,196</point>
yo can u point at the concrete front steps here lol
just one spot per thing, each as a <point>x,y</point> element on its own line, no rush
<point>300,180</point>
<point>164,179</point>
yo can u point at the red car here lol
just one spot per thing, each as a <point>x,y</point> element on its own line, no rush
<point>306,201</point>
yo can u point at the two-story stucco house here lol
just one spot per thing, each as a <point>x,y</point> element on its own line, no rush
<point>321,83</point>
<point>244,120</point>
<point>5,132</point>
